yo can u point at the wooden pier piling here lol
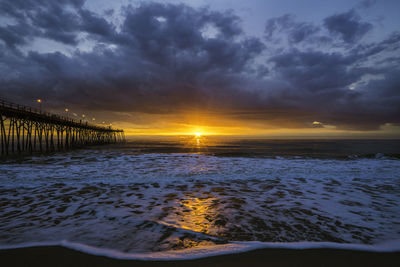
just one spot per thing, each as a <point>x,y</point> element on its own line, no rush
<point>24,129</point>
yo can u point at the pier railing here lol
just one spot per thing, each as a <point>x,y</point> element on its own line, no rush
<point>27,129</point>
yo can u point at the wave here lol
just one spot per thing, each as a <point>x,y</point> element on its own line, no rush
<point>296,156</point>
<point>212,250</point>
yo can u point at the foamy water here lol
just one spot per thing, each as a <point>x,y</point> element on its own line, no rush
<point>128,202</point>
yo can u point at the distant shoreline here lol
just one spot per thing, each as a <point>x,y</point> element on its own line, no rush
<point>61,256</point>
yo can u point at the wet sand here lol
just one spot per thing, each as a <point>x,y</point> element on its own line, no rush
<point>60,256</point>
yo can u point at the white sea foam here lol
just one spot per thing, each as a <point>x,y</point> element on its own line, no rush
<point>110,167</point>
<point>146,202</point>
<point>214,250</point>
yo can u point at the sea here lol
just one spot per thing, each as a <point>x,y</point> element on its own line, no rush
<point>188,197</point>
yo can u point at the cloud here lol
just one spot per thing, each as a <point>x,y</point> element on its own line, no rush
<point>60,21</point>
<point>160,61</point>
<point>12,35</point>
<point>347,26</point>
<point>295,32</point>
<point>94,24</point>
<point>367,3</point>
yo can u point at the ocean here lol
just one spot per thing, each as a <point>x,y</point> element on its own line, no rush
<point>191,197</point>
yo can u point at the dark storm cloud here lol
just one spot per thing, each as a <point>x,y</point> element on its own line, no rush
<point>94,24</point>
<point>56,20</point>
<point>165,58</point>
<point>159,61</point>
<point>295,31</point>
<point>320,81</point>
<point>315,71</point>
<point>13,35</point>
<point>347,25</point>
<point>367,3</point>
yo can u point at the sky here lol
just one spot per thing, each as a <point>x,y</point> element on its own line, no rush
<point>274,68</point>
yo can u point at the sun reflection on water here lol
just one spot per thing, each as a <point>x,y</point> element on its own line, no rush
<point>195,214</point>
<point>198,142</point>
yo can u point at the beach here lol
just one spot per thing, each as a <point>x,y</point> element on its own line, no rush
<point>60,256</point>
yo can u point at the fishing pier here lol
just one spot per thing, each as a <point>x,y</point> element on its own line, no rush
<point>25,129</point>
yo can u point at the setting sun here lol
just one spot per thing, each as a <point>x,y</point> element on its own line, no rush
<point>197,134</point>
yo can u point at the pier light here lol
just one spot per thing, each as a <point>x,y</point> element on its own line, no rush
<point>83,115</point>
<point>66,110</point>
<point>93,119</point>
<point>40,104</point>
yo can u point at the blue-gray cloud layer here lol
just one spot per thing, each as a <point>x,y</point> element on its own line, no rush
<point>165,58</point>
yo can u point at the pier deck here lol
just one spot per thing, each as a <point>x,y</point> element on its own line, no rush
<point>27,129</point>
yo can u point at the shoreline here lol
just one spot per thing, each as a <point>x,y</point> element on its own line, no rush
<point>62,256</point>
